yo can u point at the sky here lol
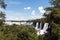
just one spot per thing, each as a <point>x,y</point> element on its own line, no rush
<point>25,9</point>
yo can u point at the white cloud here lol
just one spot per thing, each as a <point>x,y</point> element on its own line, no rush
<point>41,9</point>
<point>33,12</point>
<point>34,15</point>
<point>27,8</point>
<point>14,15</point>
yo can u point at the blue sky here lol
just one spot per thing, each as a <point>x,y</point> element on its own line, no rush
<point>25,9</point>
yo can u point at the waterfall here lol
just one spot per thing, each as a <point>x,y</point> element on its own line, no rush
<point>45,27</point>
<point>40,26</point>
<point>36,26</point>
<point>43,31</point>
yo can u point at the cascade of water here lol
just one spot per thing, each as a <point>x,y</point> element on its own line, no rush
<point>45,27</point>
<point>36,26</point>
<point>40,26</point>
<point>41,31</point>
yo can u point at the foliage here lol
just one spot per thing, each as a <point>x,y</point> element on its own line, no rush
<point>16,32</point>
<point>2,15</point>
<point>2,18</point>
<point>3,4</point>
<point>53,18</point>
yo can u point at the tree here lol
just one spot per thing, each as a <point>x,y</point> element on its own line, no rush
<point>2,4</point>
<point>17,32</point>
<point>2,15</point>
<point>53,18</point>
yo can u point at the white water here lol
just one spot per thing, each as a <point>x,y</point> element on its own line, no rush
<point>43,31</point>
<point>36,26</point>
<point>45,27</point>
<point>40,26</point>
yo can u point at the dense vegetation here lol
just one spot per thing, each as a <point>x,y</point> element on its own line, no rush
<point>53,18</point>
<point>16,32</point>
